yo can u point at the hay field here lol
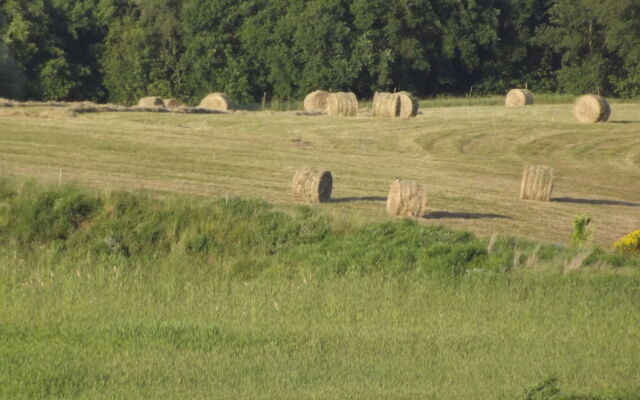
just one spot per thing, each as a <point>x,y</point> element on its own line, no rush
<point>470,160</point>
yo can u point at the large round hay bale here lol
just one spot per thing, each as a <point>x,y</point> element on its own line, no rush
<point>216,101</point>
<point>407,105</point>
<point>591,108</point>
<point>311,185</point>
<point>172,103</point>
<point>342,104</point>
<point>150,102</point>
<point>537,183</point>
<point>316,101</point>
<point>406,199</point>
<point>385,105</point>
<point>519,97</point>
<point>394,105</point>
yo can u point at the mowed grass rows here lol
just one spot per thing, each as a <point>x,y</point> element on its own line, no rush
<point>470,159</point>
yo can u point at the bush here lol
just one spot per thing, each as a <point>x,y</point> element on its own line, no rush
<point>581,233</point>
<point>629,244</point>
<point>42,216</point>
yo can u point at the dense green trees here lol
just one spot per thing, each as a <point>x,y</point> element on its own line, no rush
<point>119,50</point>
<point>215,56</point>
<point>142,48</point>
<point>11,81</point>
<point>56,45</point>
<point>598,45</point>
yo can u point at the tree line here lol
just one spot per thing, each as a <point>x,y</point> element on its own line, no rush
<point>120,50</point>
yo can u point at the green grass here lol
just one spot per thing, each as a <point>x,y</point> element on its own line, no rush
<point>121,295</point>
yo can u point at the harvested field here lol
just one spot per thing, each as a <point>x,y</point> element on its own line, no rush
<point>452,151</point>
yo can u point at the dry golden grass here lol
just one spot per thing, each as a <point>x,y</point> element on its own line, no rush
<point>470,160</point>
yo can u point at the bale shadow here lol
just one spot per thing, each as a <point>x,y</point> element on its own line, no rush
<point>600,202</point>
<point>623,122</point>
<point>354,199</point>
<point>463,215</point>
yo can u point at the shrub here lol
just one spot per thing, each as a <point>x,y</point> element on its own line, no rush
<point>580,234</point>
<point>629,244</point>
<point>42,216</point>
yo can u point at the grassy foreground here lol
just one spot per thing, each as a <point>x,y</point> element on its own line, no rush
<point>120,295</point>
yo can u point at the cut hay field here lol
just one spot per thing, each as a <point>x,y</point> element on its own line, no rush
<point>470,159</point>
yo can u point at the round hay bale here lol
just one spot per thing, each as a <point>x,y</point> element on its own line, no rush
<point>150,102</point>
<point>406,199</point>
<point>316,101</point>
<point>519,97</point>
<point>216,101</point>
<point>342,104</point>
<point>394,105</point>
<point>591,108</point>
<point>311,185</point>
<point>407,105</point>
<point>172,103</point>
<point>537,183</point>
<point>385,105</point>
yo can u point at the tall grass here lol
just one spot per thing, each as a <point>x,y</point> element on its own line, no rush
<point>123,295</point>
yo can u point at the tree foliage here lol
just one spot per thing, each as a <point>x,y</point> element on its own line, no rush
<point>56,45</point>
<point>120,50</point>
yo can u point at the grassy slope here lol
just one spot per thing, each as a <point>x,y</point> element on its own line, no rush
<point>120,296</point>
<point>178,333</point>
<point>470,159</point>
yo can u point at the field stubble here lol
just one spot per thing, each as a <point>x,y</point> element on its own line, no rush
<point>470,160</point>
